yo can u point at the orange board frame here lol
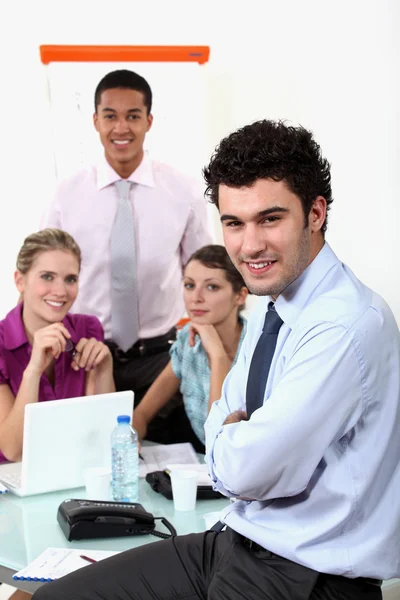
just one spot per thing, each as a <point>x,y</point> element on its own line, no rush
<point>57,53</point>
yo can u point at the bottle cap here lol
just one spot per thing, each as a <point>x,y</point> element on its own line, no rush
<point>123,419</point>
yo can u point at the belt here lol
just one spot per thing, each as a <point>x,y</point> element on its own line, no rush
<point>254,547</point>
<point>143,347</point>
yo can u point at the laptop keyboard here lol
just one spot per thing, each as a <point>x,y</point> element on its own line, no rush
<point>10,474</point>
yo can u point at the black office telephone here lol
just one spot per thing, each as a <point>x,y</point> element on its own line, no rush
<point>89,519</point>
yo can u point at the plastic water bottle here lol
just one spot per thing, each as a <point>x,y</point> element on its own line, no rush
<point>124,462</point>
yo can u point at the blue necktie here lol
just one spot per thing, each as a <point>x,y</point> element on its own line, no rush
<point>261,360</point>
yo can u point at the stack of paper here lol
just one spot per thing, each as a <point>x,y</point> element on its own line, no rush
<point>158,457</point>
<point>54,563</point>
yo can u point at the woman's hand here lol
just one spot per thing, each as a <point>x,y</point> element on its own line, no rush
<point>48,343</point>
<point>91,354</point>
<point>209,338</point>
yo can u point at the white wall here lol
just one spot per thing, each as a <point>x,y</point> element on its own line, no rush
<point>331,65</point>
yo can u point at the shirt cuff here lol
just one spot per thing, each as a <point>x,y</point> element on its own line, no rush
<point>213,428</point>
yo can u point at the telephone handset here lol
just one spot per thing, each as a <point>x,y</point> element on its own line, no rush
<point>89,519</point>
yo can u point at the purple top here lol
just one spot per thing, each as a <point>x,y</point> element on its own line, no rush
<point>15,352</point>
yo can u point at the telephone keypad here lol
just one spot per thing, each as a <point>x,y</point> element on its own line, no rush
<point>126,505</point>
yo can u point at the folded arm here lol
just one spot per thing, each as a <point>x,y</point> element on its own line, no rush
<point>317,399</point>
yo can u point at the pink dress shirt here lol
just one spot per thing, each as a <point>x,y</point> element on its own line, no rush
<point>170,219</point>
<point>15,352</point>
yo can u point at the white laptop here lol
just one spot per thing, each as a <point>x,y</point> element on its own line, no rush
<point>61,439</point>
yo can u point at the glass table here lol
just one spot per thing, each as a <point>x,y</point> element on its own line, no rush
<point>29,525</point>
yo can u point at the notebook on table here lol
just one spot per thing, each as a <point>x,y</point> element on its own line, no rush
<point>54,563</point>
<point>61,439</point>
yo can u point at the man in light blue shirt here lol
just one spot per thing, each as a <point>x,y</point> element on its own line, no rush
<point>324,474</point>
<point>316,468</point>
<point>314,464</point>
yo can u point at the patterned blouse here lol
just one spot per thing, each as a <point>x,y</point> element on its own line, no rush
<point>190,365</point>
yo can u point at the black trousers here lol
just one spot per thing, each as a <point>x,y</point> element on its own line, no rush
<point>137,373</point>
<point>200,566</point>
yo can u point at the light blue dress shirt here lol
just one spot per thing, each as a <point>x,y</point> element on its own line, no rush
<point>191,366</point>
<point>321,458</point>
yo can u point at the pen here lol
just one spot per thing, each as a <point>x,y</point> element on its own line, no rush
<point>140,456</point>
<point>87,558</point>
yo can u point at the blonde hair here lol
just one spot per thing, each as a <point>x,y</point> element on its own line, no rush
<point>44,241</point>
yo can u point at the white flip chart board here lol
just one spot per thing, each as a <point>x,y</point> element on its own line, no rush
<point>178,133</point>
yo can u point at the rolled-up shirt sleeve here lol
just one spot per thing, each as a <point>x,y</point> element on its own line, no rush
<point>318,399</point>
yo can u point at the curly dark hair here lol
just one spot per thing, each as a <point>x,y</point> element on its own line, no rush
<point>271,150</point>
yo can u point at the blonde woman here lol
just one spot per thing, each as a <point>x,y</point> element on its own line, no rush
<point>46,353</point>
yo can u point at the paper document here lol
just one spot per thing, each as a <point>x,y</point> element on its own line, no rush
<point>3,490</point>
<point>158,457</point>
<point>54,563</point>
<point>202,470</point>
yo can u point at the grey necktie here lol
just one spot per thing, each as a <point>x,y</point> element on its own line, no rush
<point>124,301</point>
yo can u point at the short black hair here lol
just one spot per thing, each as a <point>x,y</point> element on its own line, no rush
<point>271,150</point>
<point>215,256</point>
<point>124,79</point>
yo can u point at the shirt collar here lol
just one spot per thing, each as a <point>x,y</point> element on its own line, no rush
<point>297,295</point>
<point>14,331</point>
<point>143,175</point>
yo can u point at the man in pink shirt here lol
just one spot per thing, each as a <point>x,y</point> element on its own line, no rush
<point>169,222</point>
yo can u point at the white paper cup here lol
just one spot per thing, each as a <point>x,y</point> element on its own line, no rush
<point>97,482</point>
<point>184,488</point>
